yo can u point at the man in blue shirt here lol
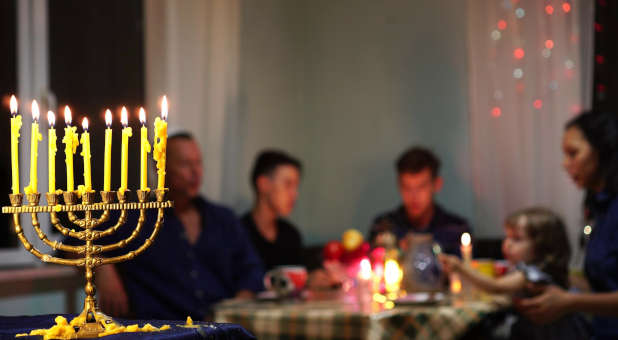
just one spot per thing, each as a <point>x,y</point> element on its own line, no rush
<point>201,255</point>
<point>418,181</point>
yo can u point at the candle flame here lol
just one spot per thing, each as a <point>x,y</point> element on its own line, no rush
<point>13,105</point>
<point>392,273</point>
<point>108,118</point>
<point>35,111</point>
<point>124,116</point>
<point>365,270</point>
<point>85,124</point>
<point>465,239</point>
<point>67,115</point>
<point>51,118</point>
<point>164,108</point>
<point>455,285</point>
<point>142,115</point>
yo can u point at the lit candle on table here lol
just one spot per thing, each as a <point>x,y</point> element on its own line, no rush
<point>15,127</point>
<point>70,141</point>
<point>455,286</point>
<point>85,141</point>
<point>145,149</point>
<point>466,248</point>
<point>35,137</point>
<point>160,143</point>
<point>51,152</point>
<point>392,276</point>
<point>126,133</point>
<point>365,283</point>
<point>108,151</point>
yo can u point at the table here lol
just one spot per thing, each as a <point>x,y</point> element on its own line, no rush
<point>342,320</point>
<point>9,326</point>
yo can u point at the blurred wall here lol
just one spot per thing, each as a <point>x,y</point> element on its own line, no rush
<point>347,86</point>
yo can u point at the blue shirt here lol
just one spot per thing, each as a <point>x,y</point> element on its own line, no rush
<point>173,279</point>
<point>445,227</point>
<point>601,263</point>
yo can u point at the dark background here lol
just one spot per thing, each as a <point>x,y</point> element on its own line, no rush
<point>96,61</point>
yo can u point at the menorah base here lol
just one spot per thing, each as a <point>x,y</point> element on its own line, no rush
<point>90,325</point>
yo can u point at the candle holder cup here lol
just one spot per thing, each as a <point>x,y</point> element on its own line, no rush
<point>91,321</point>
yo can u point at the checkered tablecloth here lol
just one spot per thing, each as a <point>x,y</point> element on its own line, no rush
<point>339,320</point>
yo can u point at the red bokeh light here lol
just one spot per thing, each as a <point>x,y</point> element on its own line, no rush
<point>502,25</point>
<point>520,87</point>
<point>496,111</point>
<point>518,53</point>
<point>601,87</point>
<point>600,59</point>
<point>549,44</point>
<point>549,9</point>
<point>538,104</point>
<point>566,7</point>
<point>598,27</point>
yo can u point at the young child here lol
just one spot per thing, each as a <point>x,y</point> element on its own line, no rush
<point>537,247</point>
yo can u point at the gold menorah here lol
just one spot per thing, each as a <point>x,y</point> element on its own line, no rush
<point>91,321</point>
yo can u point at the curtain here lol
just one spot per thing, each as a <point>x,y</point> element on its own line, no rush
<point>529,72</point>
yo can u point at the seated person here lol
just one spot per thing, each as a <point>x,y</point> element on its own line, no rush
<point>200,256</point>
<point>275,179</point>
<point>419,180</point>
<point>538,250</point>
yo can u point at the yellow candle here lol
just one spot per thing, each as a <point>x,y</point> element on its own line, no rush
<point>108,151</point>
<point>145,149</point>
<point>85,141</point>
<point>70,141</point>
<point>126,133</point>
<point>51,152</point>
<point>15,127</point>
<point>35,137</point>
<point>160,143</point>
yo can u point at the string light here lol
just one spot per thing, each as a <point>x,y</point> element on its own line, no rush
<point>566,7</point>
<point>502,25</point>
<point>520,13</point>
<point>549,9</point>
<point>496,111</point>
<point>518,73</point>
<point>549,44</point>
<point>599,59</point>
<point>538,104</point>
<point>519,53</point>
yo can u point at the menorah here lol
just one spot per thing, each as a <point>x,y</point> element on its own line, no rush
<point>91,320</point>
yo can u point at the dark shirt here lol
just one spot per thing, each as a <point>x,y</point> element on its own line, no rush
<point>173,279</point>
<point>445,227</point>
<point>601,265</point>
<point>285,250</point>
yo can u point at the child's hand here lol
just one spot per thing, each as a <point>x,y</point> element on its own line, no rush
<point>449,263</point>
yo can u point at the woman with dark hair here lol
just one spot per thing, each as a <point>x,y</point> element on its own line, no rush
<point>590,146</point>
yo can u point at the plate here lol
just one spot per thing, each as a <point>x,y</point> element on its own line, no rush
<point>420,299</point>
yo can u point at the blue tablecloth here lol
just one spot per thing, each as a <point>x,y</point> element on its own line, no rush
<point>9,326</point>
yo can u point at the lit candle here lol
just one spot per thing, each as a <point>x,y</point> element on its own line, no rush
<point>160,143</point>
<point>466,248</point>
<point>85,141</point>
<point>108,151</point>
<point>145,149</point>
<point>35,137</point>
<point>126,133</point>
<point>51,152</point>
<point>392,276</point>
<point>70,141</point>
<point>15,127</point>
<point>364,288</point>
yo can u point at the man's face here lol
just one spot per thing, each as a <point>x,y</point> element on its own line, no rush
<point>280,189</point>
<point>184,167</point>
<point>417,190</point>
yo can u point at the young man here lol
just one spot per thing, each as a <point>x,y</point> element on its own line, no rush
<point>418,180</point>
<point>275,179</point>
